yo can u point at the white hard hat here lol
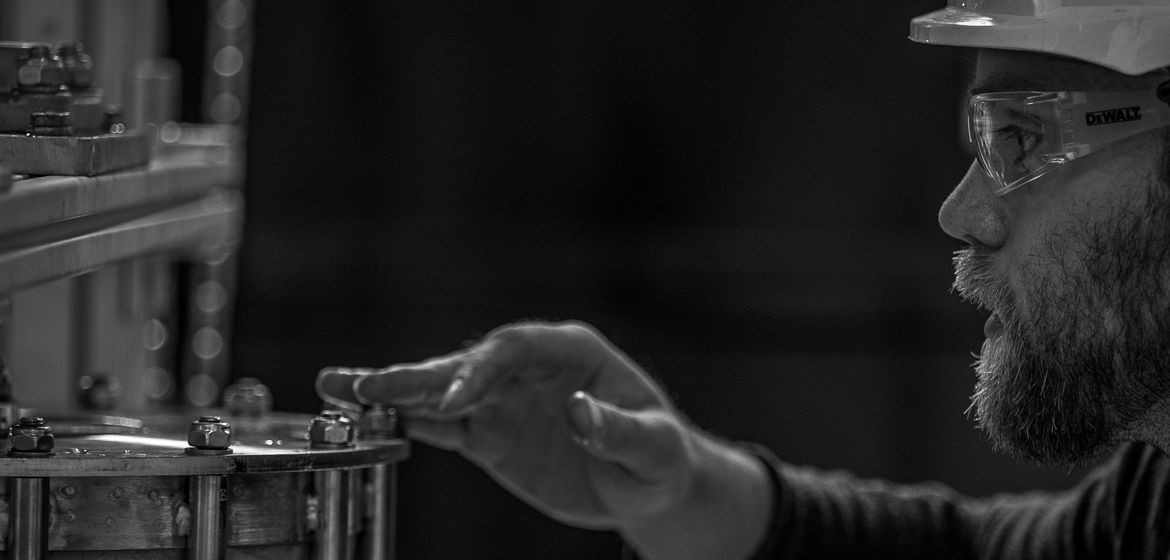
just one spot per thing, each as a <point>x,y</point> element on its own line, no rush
<point>1130,36</point>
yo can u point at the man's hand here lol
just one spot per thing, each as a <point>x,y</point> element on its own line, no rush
<point>571,425</point>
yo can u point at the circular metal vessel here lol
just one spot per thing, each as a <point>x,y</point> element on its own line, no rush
<point>136,489</point>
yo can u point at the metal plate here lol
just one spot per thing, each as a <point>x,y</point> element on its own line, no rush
<point>273,444</point>
<point>211,224</point>
<point>74,155</point>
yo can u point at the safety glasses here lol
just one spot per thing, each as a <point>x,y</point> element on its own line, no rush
<point>1020,136</point>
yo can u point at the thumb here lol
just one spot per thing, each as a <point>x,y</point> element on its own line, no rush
<point>648,443</point>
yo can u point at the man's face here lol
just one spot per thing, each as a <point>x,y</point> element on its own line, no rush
<point>1073,268</point>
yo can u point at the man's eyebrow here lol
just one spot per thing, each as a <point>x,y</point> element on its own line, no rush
<point>999,83</point>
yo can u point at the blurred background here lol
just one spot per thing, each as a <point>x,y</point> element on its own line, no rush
<point>742,196</point>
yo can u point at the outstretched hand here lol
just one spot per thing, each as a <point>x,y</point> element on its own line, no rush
<point>553,412</point>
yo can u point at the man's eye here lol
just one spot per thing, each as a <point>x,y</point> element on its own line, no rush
<point>1019,140</point>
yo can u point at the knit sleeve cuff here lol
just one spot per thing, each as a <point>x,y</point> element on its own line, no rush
<point>767,548</point>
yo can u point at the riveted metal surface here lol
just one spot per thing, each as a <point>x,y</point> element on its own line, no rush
<point>267,508</point>
<point>103,513</point>
<point>294,551</point>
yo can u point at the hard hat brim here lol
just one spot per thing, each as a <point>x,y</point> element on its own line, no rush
<point>1130,40</point>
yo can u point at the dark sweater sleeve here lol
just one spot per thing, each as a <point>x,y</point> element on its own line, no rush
<point>1117,511</point>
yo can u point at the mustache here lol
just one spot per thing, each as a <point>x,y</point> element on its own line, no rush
<point>978,282</point>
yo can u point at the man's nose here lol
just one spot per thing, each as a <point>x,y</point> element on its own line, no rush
<point>973,213</point>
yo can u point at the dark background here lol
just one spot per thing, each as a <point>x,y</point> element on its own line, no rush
<point>741,195</point>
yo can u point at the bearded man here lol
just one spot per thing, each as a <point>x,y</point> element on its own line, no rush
<point>1067,214</point>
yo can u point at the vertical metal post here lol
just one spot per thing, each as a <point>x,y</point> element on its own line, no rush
<point>377,540</point>
<point>391,520</point>
<point>28,533</point>
<point>353,510</point>
<point>207,495</point>
<point>331,535</point>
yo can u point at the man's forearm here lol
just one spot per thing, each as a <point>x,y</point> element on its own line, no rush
<point>724,515</point>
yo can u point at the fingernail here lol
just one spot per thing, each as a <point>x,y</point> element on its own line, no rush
<point>453,391</point>
<point>580,418</point>
<point>597,421</point>
<point>324,389</point>
<point>585,417</point>
<point>357,390</point>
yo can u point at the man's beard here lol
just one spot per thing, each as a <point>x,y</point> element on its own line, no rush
<point>1093,354</point>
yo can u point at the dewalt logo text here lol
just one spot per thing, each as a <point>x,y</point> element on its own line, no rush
<point>1111,116</point>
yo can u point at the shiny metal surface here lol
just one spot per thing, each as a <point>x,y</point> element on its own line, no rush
<point>331,428</point>
<point>108,493</point>
<point>207,498</point>
<point>138,495</point>
<point>209,433</point>
<point>40,202</point>
<point>377,539</point>
<point>330,488</point>
<point>27,538</point>
<point>44,154</point>
<point>59,251</point>
<point>88,424</point>
<point>273,444</point>
<point>354,509</point>
<point>31,437</point>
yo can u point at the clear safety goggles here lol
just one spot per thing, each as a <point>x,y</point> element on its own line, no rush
<point>1020,136</point>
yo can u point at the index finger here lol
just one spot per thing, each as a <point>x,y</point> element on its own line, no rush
<point>335,384</point>
<point>416,384</point>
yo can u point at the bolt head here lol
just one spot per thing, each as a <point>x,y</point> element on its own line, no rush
<point>378,422</point>
<point>78,65</point>
<point>248,397</point>
<point>36,75</point>
<point>331,428</point>
<point>80,76</point>
<point>209,432</point>
<point>41,70</point>
<point>31,435</point>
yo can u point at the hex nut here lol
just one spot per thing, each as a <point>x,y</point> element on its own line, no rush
<point>77,65</point>
<point>331,428</point>
<point>378,422</point>
<point>248,397</point>
<point>42,69</point>
<point>209,432</point>
<point>97,391</point>
<point>37,75</point>
<point>31,435</point>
